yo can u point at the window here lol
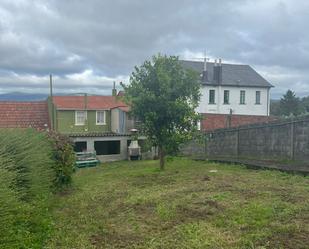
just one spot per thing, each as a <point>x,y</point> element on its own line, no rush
<point>226,97</point>
<point>80,146</point>
<point>242,97</point>
<point>107,147</point>
<point>100,117</point>
<point>80,117</point>
<point>258,97</point>
<point>211,96</point>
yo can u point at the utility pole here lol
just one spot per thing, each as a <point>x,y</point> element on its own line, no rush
<point>51,101</point>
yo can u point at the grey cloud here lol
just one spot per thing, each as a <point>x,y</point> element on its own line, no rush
<point>110,37</point>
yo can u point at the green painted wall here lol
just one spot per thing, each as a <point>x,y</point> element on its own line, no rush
<point>66,122</point>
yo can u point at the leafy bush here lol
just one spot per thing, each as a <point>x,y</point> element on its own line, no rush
<point>64,156</point>
<point>32,165</point>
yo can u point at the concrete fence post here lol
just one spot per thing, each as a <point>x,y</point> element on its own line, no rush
<point>237,143</point>
<point>292,140</point>
<point>205,146</point>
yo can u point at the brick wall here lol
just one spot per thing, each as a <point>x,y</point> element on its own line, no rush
<point>212,122</point>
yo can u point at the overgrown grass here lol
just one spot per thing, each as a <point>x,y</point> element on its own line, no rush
<point>28,177</point>
<point>134,205</point>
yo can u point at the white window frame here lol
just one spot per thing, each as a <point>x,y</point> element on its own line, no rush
<point>96,117</point>
<point>85,120</point>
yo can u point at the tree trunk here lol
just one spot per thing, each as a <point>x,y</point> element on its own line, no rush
<point>161,156</point>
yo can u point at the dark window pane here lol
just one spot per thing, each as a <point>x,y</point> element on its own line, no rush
<point>80,146</point>
<point>226,97</point>
<point>242,97</point>
<point>211,96</point>
<point>107,147</point>
<point>258,97</point>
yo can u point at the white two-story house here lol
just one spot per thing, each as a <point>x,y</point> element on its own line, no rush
<point>231,94</point>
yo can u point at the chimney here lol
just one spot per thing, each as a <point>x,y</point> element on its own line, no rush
<point>114,91</point>
<point>217,73</point>
<point>205,73</point>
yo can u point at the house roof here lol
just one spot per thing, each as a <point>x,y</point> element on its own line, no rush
<point>232,74</point>
<point>24,114</point>
<point>96,134</point>
<point>87,102</point>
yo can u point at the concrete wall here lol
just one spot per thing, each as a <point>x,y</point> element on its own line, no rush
<point>249,108</point>
<point>153,152</point>
<point>105,158</point>
<point>277,140</point>
<point>195,148</point>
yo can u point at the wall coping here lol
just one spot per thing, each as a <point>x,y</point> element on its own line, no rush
<point>279,122</point>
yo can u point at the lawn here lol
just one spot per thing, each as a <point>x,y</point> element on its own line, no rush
<point>192,204</point>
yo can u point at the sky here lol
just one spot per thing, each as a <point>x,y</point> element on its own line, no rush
<point>87,45</point>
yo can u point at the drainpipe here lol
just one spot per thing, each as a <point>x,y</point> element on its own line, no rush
<point>268,107</point>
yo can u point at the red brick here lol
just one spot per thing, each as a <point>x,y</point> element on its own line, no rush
<point>212,122</point>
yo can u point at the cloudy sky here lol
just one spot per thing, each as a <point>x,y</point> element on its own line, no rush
<point>87,45</point>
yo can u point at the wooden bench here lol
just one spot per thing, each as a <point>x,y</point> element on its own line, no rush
<point>86,159</point>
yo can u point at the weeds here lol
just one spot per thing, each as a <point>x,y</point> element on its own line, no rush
<point>133,205</point>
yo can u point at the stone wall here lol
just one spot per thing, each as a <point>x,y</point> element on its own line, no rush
<point>195,148</point>
<point>283,140</point>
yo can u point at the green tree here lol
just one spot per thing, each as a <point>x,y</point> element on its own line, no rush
<point>275,107</point>
<point>290,104</point>
<point>163,97</point>
<point>305,104</point>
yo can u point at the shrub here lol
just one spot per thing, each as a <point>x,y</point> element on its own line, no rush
<point>64,157</point>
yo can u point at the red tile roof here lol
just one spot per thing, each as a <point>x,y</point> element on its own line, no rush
<point>124,108</point>
<point>91,102</point>
<point>23,114</point>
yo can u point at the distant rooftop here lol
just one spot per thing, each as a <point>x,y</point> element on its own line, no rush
<point>88,102</point>
<point>24,114</point>
<point>232,74</point>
